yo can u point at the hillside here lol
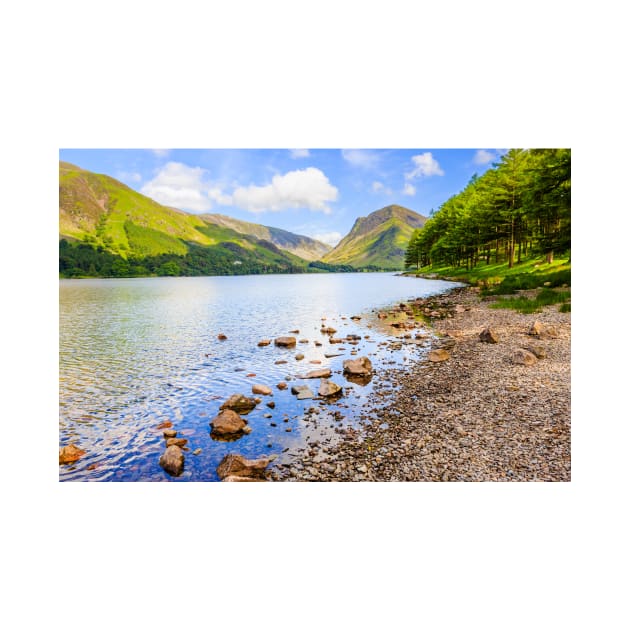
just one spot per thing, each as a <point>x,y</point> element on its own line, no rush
<point>106,228</point>
<point>302,246</point>
<point>380,239</point>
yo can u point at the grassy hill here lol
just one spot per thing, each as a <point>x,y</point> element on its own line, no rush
<point>106,228</point>
<point>379,240</point>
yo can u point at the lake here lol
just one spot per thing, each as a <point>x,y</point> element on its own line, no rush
<point>140,351</point>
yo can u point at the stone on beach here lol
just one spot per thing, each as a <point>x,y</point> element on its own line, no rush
<point>263,390</point>
<point>285,342</point>
<point>435,356</point>
<point>538,351</point>
<point>172,460</point>
<point>221,337</point>
<point>359,367</point>
<point>281,385</point>
<point>299,356</point>
<point>239,403</point>
<point>303,392</point>
<point>328,388</point>
<point>228,422</point>
<point>328,330</point>
<point>323,373</point>
<point>524,357</point>
<point>542,331</point>
<point>70,453</point>
<point>238,466</point>
<point>488,335</point>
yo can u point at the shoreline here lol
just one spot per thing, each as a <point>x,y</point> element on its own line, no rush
<point>476,416</point>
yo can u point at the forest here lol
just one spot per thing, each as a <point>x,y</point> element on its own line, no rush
<point>518,209</point>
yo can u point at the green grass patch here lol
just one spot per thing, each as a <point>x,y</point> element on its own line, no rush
<point>545,297</point>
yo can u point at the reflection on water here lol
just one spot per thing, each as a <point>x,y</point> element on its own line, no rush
<point>135,353</point>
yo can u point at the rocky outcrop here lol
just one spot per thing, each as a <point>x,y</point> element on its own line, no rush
<point>237,466</point>
<point>488,335</point>
<point>358,367</point>
<point>172,460</point>
<point>228,422</point>
<point>285,342</point>
<point>239,403</point>
<point>70,453</point>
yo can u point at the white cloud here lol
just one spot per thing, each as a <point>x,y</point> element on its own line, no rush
<point>409,190</point>
<point>308,188</point>
<point>484,157</point>
<point>379,187</point>
<point>160,152</point>
<point>361,158</point>
<point>330,238</point>
<point>296,154</point>
<point>181,186</point>
<point>425,166</point>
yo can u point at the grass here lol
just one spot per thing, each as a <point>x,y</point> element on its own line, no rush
<point>545,297</point>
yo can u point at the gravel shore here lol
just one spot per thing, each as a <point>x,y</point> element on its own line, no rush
<point>477,416</point>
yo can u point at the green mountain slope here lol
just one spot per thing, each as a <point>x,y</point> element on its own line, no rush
<point>380,239</point>
<point>302,246</point>
<point>106,228</point>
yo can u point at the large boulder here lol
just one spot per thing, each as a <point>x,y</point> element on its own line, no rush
<point>285,342</point>
<point>238,466</point>
<point>263,390</point>
<point>172,460</point>
<point>358,367</point>
<point>488,335</point>
<point>524,357</point>
<point>239,403</point>
<point>69,454</point>
<point>328,388</point>
<point>228,422</point>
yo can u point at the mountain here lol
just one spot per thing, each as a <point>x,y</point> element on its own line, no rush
<point>302,246</point>
<point>106,228</point>
<point>380,239</point>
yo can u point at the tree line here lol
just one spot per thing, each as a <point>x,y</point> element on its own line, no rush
<point>519,208</point>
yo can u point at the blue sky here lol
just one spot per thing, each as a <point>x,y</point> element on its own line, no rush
<point>316,192</point>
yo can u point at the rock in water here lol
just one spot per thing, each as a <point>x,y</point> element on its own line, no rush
<point>181,442</point>
<point>172,460</point>
<point>487,335</point>
<point>281,385</point>
<point>303,392</point>
<point>359,367</point>
<point>435,356</point>
<point>328,330</point>
<point>323,373</point>
<point>239,403</point>
<point>169,433</point>
<point>328,388</point>
<point>238,466</point>
<point>264,342</point>
<point>70,453</point>
<point>263,390</point>
<point>227,422</point>
<point>524,357</point>
<point>221,337</point>
<point>299,356</point>
<point>285,342</point>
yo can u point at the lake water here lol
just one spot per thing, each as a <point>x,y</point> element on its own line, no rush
<point>137,352</point>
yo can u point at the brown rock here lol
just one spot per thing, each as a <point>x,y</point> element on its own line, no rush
<point>221,337</point>
<point>172,460</point>
<point>237,478</point>
<point>542,331</point>
<point>303,340</point>
<point>323,373</point>
<point>264,342</point>
<point>523,357</point>
<point>435,356</point>
<point>280,362</point>
<point>328,388</point>
<point>299,356</point>
<point>238,466</point>
<point>227,422</point>
<point>263,390</point>
<point>175,441</point>
<point>281,385</point>
<point>538,351</point>
<point>360,367</point>
<point>169,433</point>
<point>295,332</point>
<point>271,405</point>
<point>285,342</point>
<point>164,425</point>
<point>328,330</point>
<point>487,335</point>
<point>239,403</point>
<point>70,453</point>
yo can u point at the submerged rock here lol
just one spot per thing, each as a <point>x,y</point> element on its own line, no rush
<point>71,453</point>
<point>299,356</point>
<point>228,422</point>
<point>239,403</point>
<point>237,466</point>
<point>172,460</point>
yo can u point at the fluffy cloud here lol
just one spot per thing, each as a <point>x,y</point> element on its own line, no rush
<point>484,157</point>
<point>360,157</point>
<point>308,188</point>
<point>379,187</point>
<point>296,154</point>
<point>181,186</point>
<point>409,190</point>
<point>425,166</point>
<point>330,238</point>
